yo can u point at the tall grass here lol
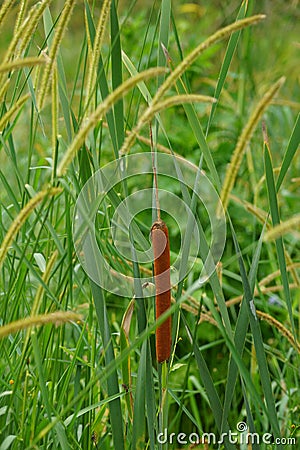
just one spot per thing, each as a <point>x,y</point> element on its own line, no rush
<point>78,362</point>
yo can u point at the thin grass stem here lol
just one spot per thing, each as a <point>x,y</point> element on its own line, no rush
<point>25,62</point>
<point>100,112</point>
<point>61,27</point>
<point>21,218</point>
<point>56,318</point>
<point>236,159</point>
<point>99,36</point>
<point>16,107</point>
<point>288,226</point>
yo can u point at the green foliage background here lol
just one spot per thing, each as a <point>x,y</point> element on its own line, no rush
<point>86,384</point>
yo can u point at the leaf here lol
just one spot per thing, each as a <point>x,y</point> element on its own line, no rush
<point>116,417</point>
<point>273,203</point>
<point>7,442</point>
<point>138,431</point>
<point>292,147</point>
<point>126,365</point>
<point>231,47</point>
<point>258,345</point>
<point>40,260</point>
<point>116,68</point>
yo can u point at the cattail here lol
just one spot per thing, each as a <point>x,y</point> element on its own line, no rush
<point>161,250</point>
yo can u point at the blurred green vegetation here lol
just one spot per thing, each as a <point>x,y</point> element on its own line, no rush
<point>265,52</point>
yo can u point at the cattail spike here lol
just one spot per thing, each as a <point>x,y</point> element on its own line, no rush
<point>161,250</point>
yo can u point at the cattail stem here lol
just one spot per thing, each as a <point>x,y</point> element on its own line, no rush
<point>154,174</point>
<point>161,250</point>
<point>164,396</point>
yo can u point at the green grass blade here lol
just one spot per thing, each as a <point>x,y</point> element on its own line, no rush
<point>116,67</point>
<point>199,135</point>
<point>116,418</point>
<point>250,421</point>
<point>102,81</point>
<point>120,134</point>
<point>273,203</point>
<point>44,390</point>
<point>150,399</point>
<point>241,328</point>
<point>182,87</point>
<point>243,370</point>
<point>126,365</point>
<point>6,444</point>
<point>178,400</point>
<point>212,394</point>
<point>62,86</point>
<point>292,147</point>
<point>138,430</point>
<point>163,36</point>
<point>231,47</point>
<point>259,346</point>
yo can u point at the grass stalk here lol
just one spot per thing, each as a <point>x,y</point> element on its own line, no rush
<point>273,202</point>
<point>96,48</point>
<point>25,62</point>
<point>164,407</point>
<point>15,108</point>
<point>55,115</point>
<point>100,112</point>
<point>21,218</point>
<point>6,5</point>
<point>288,226</point>
<point>281,328</point>
<point>61,27</point>
<point>223,33</point>
<point>26,30</point>
<point>184,65</point>
<point>55,318</point>
<point>236,159</point>
<point>22,11</point>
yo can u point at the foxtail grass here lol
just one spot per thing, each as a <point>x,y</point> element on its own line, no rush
<point>94,60</point>
<point>281,328</point>
<point>61,28</point>
<point>100,111</point>
<point>55,115</point>
<point>21,218</point>
<point>163,105</point>
<point>15,108</point>
<point>24,62</point>
<point>25,31</point>
<point>55,318</point>
<point>288,226</point>
<point>237,156</point>
<point>185,64</point>
<point>6,5</point>
<point>100,375</point>
<point>22,10</point>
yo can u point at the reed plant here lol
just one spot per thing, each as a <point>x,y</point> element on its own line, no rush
<point>78,362</point>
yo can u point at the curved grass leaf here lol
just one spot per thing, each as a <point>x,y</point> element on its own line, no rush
<point>116,418</point>
<point>259,346</point>
<point>272,196</point>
